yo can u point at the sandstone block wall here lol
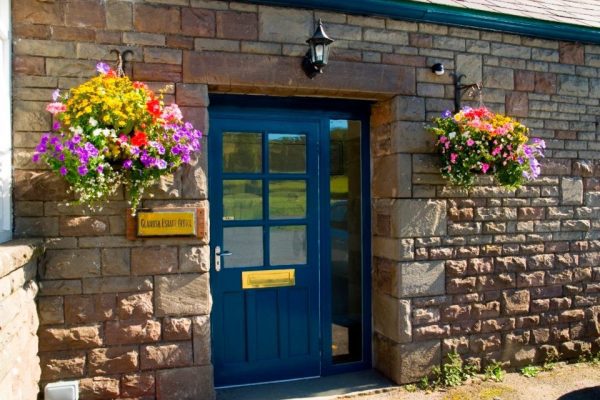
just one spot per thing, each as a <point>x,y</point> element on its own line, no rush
<point>19,362</point>
<point>494,275</point>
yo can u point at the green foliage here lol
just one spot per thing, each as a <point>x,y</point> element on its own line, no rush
<point>494,372</point>
<point>411,388</point>
<point>451,374</point>
<point>550,362</point>
<point>590,358</point>
<point>530,371</point>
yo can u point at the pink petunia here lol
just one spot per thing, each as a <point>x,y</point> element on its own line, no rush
<point>453,158</point>
<point>470,142</point>
<point>485,167</point>
<point>55,108</point>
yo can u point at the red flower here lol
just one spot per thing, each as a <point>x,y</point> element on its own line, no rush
<point>139,85</point>
<point>139,139</point>
<point>153,107</point>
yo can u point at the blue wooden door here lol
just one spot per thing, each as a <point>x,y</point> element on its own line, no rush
<point>264,217</point>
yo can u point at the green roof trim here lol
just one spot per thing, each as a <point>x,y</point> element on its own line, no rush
<point>441,14</point>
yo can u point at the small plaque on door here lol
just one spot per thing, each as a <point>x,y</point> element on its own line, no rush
<point>268,278</point>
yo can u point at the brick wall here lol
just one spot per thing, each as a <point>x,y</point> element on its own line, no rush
<point>492,274</point>
<point>19,362</point>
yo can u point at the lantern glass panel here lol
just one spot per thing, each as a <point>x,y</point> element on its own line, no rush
<point>319,51</point>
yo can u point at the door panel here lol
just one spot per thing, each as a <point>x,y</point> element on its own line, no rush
<point>264,193</point>
<point>289,191</point>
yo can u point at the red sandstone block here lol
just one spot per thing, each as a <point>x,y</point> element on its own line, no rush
<point>198,22</point>
<point>545,82</point>
<point>130,332</point>
<point>78,337</point>
<point>85,13</point>
<point>237,25</point>
<point>153,260</point>
<point>73,33</point>
<point>36,12</point>
<point>113,360</point>
<point>524,80</point>
<point>99,387</point>
<point>156,19</point>
<point>180,42</point>
<point>138,385</point>
<point>157,72</point>
<point>62,365</point>
<point>81,309</point>
<point>28,65</point>
<point>571,53</point>
<point>167,355</point>
<point>517,104</point>
<point>31,31</point>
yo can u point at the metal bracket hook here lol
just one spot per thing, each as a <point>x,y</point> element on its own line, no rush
<point>459,88</point>
<point>121,60</point>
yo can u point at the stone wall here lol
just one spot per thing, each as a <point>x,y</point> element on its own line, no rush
<point>19,362</point>
<point>494,275</point>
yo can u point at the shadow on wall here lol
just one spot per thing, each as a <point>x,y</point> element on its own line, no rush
<point>591,393</point>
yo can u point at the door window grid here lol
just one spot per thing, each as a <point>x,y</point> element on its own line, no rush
<point>283,200</point>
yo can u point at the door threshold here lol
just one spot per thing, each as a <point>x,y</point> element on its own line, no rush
<point>319,388</point>
<point>265,383</point>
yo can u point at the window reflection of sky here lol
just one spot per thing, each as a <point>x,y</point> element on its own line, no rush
<point>338,124</point>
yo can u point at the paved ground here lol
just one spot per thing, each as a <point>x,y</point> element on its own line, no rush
<point>565,382</point>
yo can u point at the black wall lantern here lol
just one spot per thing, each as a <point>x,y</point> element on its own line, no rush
<point>318,55</point>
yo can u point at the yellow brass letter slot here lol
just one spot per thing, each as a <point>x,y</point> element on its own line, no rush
<point>268,278</point>
<point>177,223</point>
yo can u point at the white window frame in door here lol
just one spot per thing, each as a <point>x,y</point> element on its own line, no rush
<point>5,124</point>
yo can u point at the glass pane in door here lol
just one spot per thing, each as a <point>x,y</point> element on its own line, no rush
<point>242,199</point>
<point>242,152</point>
<point>346,244</point>
<point>287,199</point>
<point>245,245</point>
<point>287,153</point>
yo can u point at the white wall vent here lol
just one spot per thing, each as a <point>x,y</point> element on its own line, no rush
<point>62,390</point>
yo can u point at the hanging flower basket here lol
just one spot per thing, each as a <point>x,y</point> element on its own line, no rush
<point>110,131</point>
<point>477,141</point>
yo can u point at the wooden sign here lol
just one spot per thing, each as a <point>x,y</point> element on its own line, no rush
<point>167,222</point>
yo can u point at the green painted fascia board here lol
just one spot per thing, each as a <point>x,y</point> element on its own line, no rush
<point>440,14</point>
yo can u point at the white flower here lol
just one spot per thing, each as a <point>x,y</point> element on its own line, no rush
<point>452,135</point>
<point>93,122</point>
<point>76,130</point>
<point>97,132</point>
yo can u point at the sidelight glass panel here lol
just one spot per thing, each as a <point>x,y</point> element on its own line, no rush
<point>246,246</point>
<point>287,199</point>
<point>287,153</point>
<point>242,199</point>
<point>287,245</point>
<point>242,152</point>
<point>346,248</point>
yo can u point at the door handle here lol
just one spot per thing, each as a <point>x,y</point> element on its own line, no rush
<point>218,254</point>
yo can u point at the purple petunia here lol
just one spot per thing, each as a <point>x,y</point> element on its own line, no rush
<point>63,170</point>
<point>82,170</point>
<point>447,114</point>
<point>127,164</point>
<point>55,94</point>
<point>103,68</point>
